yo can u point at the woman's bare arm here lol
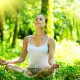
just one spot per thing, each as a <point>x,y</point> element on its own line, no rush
<point>22,57</point>
<point>51,51</point>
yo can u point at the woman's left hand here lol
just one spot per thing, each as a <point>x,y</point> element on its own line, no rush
<point>55,66</point>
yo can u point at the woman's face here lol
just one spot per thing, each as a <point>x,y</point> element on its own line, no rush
<point>40,21</point>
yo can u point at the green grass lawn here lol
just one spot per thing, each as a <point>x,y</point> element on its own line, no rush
<point>67,55</point>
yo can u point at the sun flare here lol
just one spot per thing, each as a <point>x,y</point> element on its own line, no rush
<point>4,2</point>
<point>8,6</point>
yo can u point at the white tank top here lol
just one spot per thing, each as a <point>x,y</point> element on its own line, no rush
<point>38,55</point>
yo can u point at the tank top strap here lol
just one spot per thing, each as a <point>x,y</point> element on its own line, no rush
<point>47,40</point>
<point>29,38</point>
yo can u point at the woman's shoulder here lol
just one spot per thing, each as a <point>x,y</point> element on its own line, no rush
<point>27,37</point>
<point>51,40</point>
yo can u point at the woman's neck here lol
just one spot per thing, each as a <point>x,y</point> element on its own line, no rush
<point>39,32</point>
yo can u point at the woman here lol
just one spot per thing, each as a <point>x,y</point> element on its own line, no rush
<point>40,49</point>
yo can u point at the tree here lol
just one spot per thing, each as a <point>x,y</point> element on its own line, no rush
<point>1,25</point>
<point>44,6</point>
<point>15,31</point>
<point>47,9</point>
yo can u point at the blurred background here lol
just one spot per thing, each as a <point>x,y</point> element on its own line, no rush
<point>17,19</point>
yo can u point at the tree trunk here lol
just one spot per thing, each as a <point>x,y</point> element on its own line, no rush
<point>15,32</point>
<point>1,27</point>
<point>47,9</point>
<point>44,6</point>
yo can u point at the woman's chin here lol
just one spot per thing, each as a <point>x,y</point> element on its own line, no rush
<point>40,26</point>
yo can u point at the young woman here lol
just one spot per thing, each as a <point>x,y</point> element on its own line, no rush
<point>40,49</point>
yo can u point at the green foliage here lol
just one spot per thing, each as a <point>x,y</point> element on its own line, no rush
<point>68,56</point>
<point>65,25</point>
<point>67,20</point>
<point>50,24</point>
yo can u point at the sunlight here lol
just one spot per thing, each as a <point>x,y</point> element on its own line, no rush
<point>4,2</point>
<point>8,7</point>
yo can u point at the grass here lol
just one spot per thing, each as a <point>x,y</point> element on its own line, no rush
<point>67,55</point>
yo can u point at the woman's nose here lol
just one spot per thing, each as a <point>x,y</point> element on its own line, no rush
<point>38,20</point>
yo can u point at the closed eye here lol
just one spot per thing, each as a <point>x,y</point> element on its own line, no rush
<point>41,19</point>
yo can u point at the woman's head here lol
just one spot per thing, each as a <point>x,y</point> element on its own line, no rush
<point>41,21</point>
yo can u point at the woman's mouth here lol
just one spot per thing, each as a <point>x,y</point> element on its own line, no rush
<point>39,23</point>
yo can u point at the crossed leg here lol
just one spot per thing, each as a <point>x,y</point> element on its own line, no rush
<point>26,72</point>
<point>44,72</point>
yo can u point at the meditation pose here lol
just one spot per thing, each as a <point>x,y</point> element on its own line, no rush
<point>40,48</point>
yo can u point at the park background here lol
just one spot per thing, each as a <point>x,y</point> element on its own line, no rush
<point>17,19</point>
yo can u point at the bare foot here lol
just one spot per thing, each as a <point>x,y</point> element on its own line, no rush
<point>29,73</point>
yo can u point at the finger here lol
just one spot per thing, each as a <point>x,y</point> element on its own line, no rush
<point>5,63</point>
<point>2,61</point>
<point>55,66</point>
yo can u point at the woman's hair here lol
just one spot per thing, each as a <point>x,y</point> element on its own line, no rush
<point>45,21</point>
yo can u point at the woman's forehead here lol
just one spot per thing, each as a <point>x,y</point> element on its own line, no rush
<point>40,16</point>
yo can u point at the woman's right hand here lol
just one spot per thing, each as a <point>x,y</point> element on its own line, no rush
<point>2,62</point>
<point>5,63</point>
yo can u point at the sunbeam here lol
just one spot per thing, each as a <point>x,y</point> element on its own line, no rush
<point>8,7</point>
